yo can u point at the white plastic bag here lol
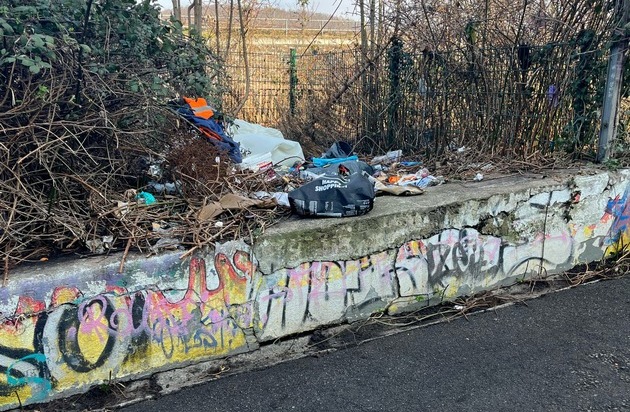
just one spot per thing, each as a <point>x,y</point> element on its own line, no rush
<point>259,142</point>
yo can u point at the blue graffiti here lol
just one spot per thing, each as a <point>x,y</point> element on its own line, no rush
<point>41,386</point>
<point>619,208</point>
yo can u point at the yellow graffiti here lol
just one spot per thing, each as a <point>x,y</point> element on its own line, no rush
<point>589,231</point>
<point>620,246</point>
<point>81,342</point>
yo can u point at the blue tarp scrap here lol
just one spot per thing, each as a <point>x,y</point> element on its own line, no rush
<point>214,133</point>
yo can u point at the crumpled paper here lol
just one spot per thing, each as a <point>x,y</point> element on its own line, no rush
<point>232,201</point>
<point>382,188</point>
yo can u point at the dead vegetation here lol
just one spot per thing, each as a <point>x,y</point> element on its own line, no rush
<point>84,121</point>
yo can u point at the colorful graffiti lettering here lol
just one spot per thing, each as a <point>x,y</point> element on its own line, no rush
<point>618,209</point>
<point>442,263</point>
<point>449,263</point>
<point>225,303</point>
<point>76,341</point>
<point>322,292</point>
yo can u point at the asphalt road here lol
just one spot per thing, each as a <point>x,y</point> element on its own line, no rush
<point>566,351</point>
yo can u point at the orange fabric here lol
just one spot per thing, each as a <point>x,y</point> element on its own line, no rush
<point>209,133</point>
<point>200,107</point>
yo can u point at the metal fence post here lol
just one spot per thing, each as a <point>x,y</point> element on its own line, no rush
<point>612,94</point>
<point>395,67</point>
<point>293,80</point>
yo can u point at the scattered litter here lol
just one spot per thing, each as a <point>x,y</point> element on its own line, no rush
<point>130,194</point>
<point>390,157</point>
<point>257,162</point>
<point>100,246</point>
<point>478,177</point>
<point>168,188</point>
<point>107,241</point>
<point>345,167</point>
<point>122,208</point>
<point>155,171</point>
<point>338,150</point>
<point>421,183</point>
<point>398,178</point>
<point>382,188</point>
<point>311,174</point>
<point>165,243</point>
<point>282,198</point>
<point>321,162</point>
<point>167,239</point>
<point>421,179</point>
<point>209,124</point>
<point>410,164</point>
<point>146,198</point>
<point>232,201</point>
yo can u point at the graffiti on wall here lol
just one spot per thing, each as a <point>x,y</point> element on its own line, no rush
<point>73,341</point>
<point>68,339</point>
<point>452,262</point>
<point>318,293</point>
<point>454,257</point>
<point>618,211</point>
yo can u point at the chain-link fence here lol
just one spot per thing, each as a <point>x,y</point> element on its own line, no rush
<point>268,90</point>
<point>520,100</point>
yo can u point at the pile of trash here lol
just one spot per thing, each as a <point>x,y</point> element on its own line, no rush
<point>212,181</point>
<point>335,184</point>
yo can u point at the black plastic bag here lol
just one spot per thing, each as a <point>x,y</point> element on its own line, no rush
<point>334,196</point>
<point>338,150</point>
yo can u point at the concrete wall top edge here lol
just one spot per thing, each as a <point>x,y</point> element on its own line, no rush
<point>436,196</point>
<point>404,217</point>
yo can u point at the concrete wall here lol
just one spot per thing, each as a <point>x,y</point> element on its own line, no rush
<point>69,325</point>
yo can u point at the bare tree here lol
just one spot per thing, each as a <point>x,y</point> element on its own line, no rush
<point>177,10</point>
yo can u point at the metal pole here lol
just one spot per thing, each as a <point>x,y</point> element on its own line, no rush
<point>608,129</point>
<point>293,80</point>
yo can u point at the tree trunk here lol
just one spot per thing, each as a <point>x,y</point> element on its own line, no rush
<point>198,16</point>
<point>177,10</point>
<point>243,32</point>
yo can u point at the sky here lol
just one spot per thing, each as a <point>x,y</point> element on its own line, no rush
<point>321,6</point>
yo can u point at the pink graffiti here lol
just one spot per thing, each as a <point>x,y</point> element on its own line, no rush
<point>323,292</point>
<point>202,318</point>
<point>91,316</point>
